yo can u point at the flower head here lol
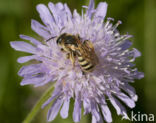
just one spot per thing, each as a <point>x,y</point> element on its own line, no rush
<point>108,82</point>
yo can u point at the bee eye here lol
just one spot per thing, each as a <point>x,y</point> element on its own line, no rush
<point>58,40</point>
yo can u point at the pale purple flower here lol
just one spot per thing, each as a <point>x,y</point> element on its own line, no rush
<point>107,83</point>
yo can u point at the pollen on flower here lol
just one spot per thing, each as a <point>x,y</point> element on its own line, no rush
<point>97,69</point>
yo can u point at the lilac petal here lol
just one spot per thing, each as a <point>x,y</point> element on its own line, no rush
<point>77,110</point>
<point>32,40</point>
<point>56,16</point>
<point>47,80</point>
<point>128,101</point>
<point>57,92</point>
<point>77,17</point>
<point>136,53</point>
<point>90,8</point>
<point>67,10</point>
<point>40,29</point>
<point>53,10</point>
<point>35,70</point>
<point>95,121</point>
<point>45,15</point>
<point>140,75</point>
<point>86,105</point>
<point>101,10</point>
<point>117,105</point>
<point>33,79</point>
<point>23,46</point>
<point>59,14</point>
<point>131,91</point>
<point>52,113</point>
<point>68,14</point>
<point>60,6</point>
<point>106,113</point>
<point>65,109</point>
<point>126,45</point>
<point>94,111</point>
<point>30,69</point>
<point>62,14</point>
<point>119,108</point>
<point>25,59</point>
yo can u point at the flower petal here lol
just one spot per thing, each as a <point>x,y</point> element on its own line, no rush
<point>94,111</point>
<point>128,101</point>
<point>117,105</point>
<point>136,53</point>
<point>77,110</point>
<point>55,12</point>
<point>90,8</point>
<point>101,11</point>
<point>76,17</point>
<point>32,40</point>
<point>25,59</point>
<point>30,69</point>
<point>130,90</point>
<point>23,46</point>
<point>40,29</point>
<point>52,113</point>
<point>56,93</point>
<point>45,15</point>
<point>86,105</point>
<point>48,79</point>
<point>126,44</point>
<point>119,108</point>
<point>60,13</point>
<point>68,12</point>
<point>106,113</point>
<point>95,121</point>
<point>33,79</point>
<point>65,109</point>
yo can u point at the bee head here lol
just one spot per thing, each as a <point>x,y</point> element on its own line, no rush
<point>61,38</point>
<point>67,40</point>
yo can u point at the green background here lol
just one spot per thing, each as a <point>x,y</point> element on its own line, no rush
<point>139,19</point>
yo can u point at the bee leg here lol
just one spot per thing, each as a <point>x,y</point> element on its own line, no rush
<point>62,50</point>
<point>77,35</point>
<point>88,44</point>
<point>68,55</point>
<point>83,73</point>
<point>72,58</point>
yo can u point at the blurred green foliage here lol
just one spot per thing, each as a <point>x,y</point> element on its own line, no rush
<point>139,19</point>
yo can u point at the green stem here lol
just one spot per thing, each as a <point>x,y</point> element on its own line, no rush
<point>38,105</point>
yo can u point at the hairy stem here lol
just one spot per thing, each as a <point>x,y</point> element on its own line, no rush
<point>38,105</point>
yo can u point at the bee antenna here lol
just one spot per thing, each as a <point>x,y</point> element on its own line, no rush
<point>50,38</point>
<point>62,29</point>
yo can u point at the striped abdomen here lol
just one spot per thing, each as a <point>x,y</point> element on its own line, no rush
<point>86,66</point>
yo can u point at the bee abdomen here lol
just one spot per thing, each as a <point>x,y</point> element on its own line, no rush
<point>86,66</point>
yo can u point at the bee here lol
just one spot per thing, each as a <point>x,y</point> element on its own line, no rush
<point>75,49</point>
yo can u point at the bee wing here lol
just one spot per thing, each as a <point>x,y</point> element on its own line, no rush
<point>88,52</point>
<point>88,44</point>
